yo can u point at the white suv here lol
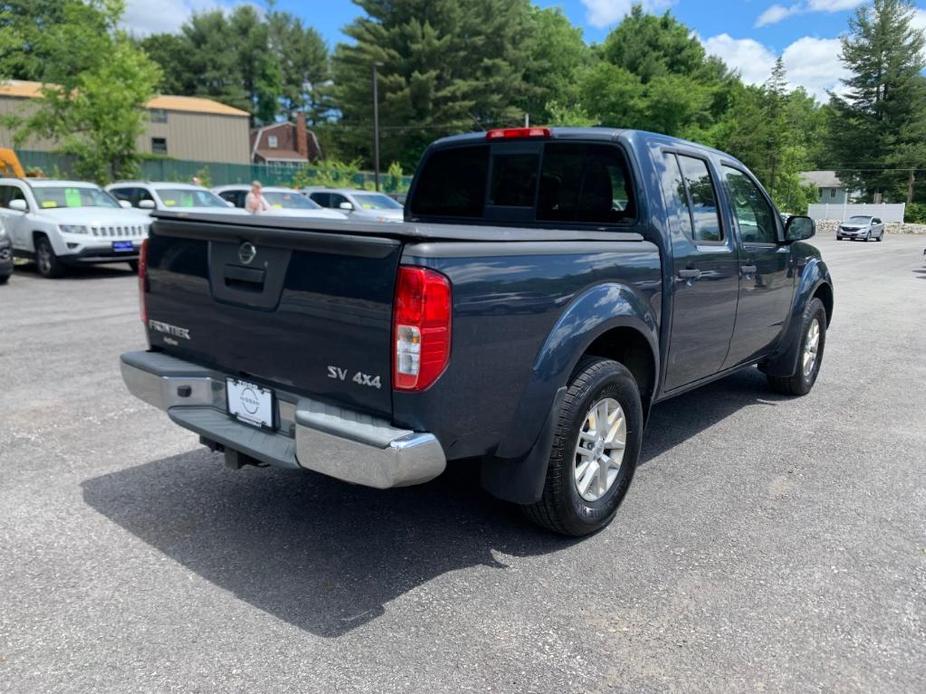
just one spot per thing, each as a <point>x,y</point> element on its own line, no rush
<point>61,223</point>
<point>150,196</point>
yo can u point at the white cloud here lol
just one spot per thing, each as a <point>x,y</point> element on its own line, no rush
<point>775,13</point>
<point>814,64</point>
<point>833,5</point>
<point>143,17</point>
<point>602,13</point>
<point>753,60</point>
<point>919,19</point>
<point>810,62</point>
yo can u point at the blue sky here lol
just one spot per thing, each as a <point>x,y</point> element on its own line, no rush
<point>747,34</point>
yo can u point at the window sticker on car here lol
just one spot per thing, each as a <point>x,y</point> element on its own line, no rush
<point>170,203</point>
<point>72,197</point>
<point>186,200</point>
<point>49,203</point>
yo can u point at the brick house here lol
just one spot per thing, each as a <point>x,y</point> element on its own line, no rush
<point>286,144</point>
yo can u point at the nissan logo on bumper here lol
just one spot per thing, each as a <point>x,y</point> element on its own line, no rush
<point>246,252</point>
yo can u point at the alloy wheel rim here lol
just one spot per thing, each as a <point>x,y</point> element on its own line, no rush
<point>811,345</point>
<point>599,450</point>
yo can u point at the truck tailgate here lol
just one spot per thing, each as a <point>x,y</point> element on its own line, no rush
<point>306,311</point>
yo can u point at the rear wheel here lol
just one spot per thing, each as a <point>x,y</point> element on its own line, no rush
<point>45,259</point>
<point>810,355</point>
<point>595,449</point>
<point>868,236</point>
<point>4,279</point>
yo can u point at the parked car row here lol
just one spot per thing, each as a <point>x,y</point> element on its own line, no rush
<point>61,223</point>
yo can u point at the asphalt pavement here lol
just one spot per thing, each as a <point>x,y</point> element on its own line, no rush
<point>766,542</point>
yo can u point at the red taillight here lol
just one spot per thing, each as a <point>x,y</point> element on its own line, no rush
<point>143,281</point>
<point>516,133</point>
<point>420,328</point>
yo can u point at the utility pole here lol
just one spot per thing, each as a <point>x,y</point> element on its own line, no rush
<point>376,126</point>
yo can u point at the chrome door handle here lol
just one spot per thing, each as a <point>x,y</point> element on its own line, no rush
<point>748,269</point>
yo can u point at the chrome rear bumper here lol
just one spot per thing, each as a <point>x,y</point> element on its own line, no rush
<point>348,445</point>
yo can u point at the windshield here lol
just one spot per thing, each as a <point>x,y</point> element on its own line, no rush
<point>860,219</point>
<point>50,197</point>
<point>376,201</point>
<point>189,197</point>
<point>288,200</point>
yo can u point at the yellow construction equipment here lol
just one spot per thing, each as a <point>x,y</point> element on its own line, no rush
<point>9,163</point>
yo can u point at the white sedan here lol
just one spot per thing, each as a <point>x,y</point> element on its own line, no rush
<point>282,201</point>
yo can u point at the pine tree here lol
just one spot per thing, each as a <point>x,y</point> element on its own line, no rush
<point>775,96</point>
<point>878,126</point>
<point>444,66</point>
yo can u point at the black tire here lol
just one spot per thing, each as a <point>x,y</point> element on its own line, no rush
<point>799,382</point>
<point>134,265</point>
<point>868,237</point>
<point>839,238</point>
<point>46,261</point>
<point>880,237</point>
<point>5,278</point>
<point>561,508</point>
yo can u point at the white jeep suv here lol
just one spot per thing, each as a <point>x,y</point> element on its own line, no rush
<point>62,223</point>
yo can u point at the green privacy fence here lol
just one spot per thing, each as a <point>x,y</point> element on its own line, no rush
<point>55,165</point>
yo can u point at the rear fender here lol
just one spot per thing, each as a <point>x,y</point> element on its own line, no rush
<point>518,470</point>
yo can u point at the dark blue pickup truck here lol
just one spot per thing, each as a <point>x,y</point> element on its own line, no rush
<point>546,289</point>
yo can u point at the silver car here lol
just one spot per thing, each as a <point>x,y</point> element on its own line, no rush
<point>359,205</point>
<point>861,226</point>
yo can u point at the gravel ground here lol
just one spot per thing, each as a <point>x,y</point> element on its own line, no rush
<point>766,543</point>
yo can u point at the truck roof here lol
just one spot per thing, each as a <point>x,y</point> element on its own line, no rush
<point>602,133</point>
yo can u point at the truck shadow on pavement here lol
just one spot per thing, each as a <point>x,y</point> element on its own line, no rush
<point>82,272</point>
<point>327,556</point>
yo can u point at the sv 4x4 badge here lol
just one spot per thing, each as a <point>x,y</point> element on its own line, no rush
<point>360,378</point>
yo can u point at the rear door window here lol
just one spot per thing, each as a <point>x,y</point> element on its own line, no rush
<point>676,194</point>
<point>585,183</point>
<point>452,183</point>
<point>705,216</point>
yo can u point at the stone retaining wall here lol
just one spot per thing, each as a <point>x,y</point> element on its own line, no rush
<point>828,226</point>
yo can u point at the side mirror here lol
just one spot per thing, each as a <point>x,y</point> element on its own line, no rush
<point>19,205</point>
<point>799,228</point>
<point>125,203</point>
<point>146,204</point>
<point>346,206</point>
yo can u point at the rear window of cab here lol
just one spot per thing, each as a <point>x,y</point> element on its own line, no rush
<point>564,182</point>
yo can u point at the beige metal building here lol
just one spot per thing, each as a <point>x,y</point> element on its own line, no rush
<point>180,127</point>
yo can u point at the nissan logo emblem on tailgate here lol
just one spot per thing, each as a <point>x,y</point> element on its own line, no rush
<point>246,252</point>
